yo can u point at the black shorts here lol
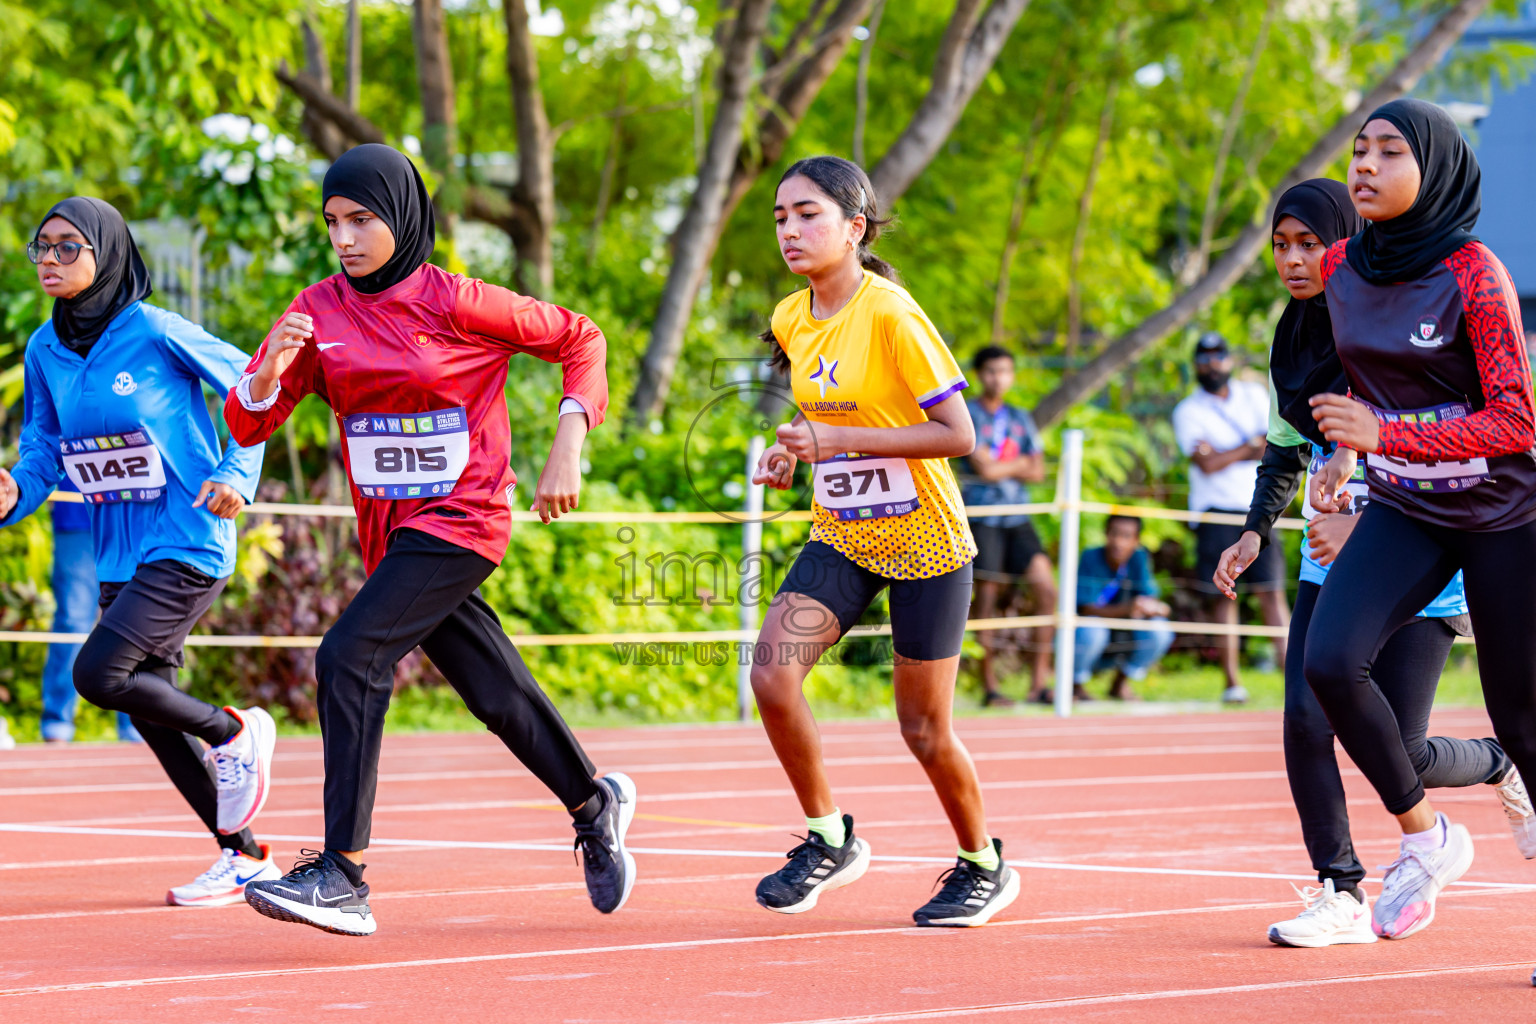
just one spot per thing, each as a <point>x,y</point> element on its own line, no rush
<point>927,616</point>
<point>156,609</point>
<point>1266,573</point>
<point>1003,553</point>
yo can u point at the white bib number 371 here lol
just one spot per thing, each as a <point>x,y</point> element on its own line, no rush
<point>114,467</point>
<point>853,487</point>
<point>417,455</point>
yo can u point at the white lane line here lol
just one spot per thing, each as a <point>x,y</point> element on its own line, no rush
<point>665,851</point>
<point>641,947</point>
<point>953,1012</point>
<point>19,761</point>
<point>696,767</point>
<point>498,890</point>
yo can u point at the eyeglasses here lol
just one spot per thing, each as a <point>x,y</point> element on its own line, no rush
<point>65,252</point>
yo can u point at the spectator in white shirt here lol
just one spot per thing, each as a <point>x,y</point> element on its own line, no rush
<point>1221,428</point>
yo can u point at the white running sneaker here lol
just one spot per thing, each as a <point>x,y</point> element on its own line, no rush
<point>1517,808</point>
<point>224,883</point>
<point>242,769</point>
<point>1407,901</point>
<point>1331,918</point>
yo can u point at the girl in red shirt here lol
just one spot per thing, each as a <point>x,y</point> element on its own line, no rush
<point>413,361</point>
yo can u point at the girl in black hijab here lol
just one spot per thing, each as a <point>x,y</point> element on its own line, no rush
<point>162,496</point>
<point>413,362</point>
<point>1427,325</point>
<point>121,277</point>
<point>1303,362</point>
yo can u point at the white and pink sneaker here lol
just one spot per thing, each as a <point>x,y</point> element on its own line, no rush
<point>1407,901</point>
<point>1328,918</point>
<point>224,882</point>
<point>242,769</point>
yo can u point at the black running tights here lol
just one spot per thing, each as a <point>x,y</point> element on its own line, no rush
<point>115,674</point>
<point>1407,673</point>
<point>1391,568</point>
<point>424,593</point>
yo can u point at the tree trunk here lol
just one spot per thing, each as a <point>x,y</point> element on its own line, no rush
<point>354,55</point>
<point>439,119</point>
<point>1084,213</point>
<point>969,48</point>
<point>861,88</point>
<point>695,236</point>
<point>535,190</point>
<point>318,129</point>
<point>610,163</point>
<point>1025,193</point>
<point>1081,385</point>
<point>1201,258</point>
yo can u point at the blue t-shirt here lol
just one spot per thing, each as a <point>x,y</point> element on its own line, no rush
<point>139,386</point>
<point>1006,434</point>
<point>1452,600</point>
<point>1099,586</point>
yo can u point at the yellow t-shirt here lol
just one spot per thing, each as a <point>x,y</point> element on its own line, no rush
<point>878,362</point>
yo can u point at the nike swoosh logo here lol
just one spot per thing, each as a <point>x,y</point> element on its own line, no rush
<point>334,899</point>
<point>329,344</point>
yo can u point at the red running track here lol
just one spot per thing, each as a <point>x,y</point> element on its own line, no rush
<point>1155,851</point>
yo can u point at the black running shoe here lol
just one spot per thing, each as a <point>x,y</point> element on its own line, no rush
<point>971,894</point>
<point>814,867</point>
<point>317,893</point>
<point>610,868</point>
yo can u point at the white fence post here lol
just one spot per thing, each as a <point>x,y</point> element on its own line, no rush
<point>1070,492</point>
<point>751,544</point>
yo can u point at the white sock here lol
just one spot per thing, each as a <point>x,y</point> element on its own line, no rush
<point>1431,838</point>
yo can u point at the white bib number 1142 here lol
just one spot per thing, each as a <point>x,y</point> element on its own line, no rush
<point>114,467</point>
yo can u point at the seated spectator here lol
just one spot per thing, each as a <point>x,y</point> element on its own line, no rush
<point>1007,458</point>
<point>1115,582</point>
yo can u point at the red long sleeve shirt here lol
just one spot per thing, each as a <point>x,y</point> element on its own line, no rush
<point>416,376</point>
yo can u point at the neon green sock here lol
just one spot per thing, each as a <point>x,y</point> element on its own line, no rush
<point>986,857</point>
<point>829,828</point>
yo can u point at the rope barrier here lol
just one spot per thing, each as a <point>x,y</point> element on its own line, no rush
<point>276,508</point>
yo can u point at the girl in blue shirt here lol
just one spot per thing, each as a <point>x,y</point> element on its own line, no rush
<point>114,391</point>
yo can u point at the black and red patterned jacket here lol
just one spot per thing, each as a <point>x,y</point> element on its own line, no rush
<point>1452,336</point>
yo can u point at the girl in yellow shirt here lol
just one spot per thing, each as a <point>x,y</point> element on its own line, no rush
<point>880,411</point>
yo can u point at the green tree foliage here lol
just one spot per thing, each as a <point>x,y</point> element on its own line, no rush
<point>116,99</point>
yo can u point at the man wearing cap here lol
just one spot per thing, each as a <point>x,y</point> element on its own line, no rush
<point>1221,428</point>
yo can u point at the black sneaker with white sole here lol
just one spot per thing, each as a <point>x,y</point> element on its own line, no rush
<point>609,867</point>
<point>317,893</point>
<point>814,867</point>
<point>970,895</point>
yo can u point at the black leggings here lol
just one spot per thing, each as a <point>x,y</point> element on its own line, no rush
<point>1391,568</point>
<point>424,593</point>
<point>1407,674</point>
<point>116,674</point>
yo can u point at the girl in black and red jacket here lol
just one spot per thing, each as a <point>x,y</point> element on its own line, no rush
<point>1427,325</point>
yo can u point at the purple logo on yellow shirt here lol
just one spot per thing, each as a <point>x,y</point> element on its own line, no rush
<point>825,374</point>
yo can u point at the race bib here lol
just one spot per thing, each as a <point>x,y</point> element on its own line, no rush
<point>115,467</point>
<point>854,487</point>
<point>1359,490</point>
<point>1432,477</point>
<point>407,456</point>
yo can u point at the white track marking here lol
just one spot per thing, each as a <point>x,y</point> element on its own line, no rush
<point>641,947</point>
<point>953,1012</point>
<point>663,851</point>
<point>645,771</point>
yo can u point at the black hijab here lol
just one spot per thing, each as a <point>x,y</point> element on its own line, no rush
<point>385,181</point>
<point>121,277</point>
<point>1440,220</point>
<point>1303,361</point>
